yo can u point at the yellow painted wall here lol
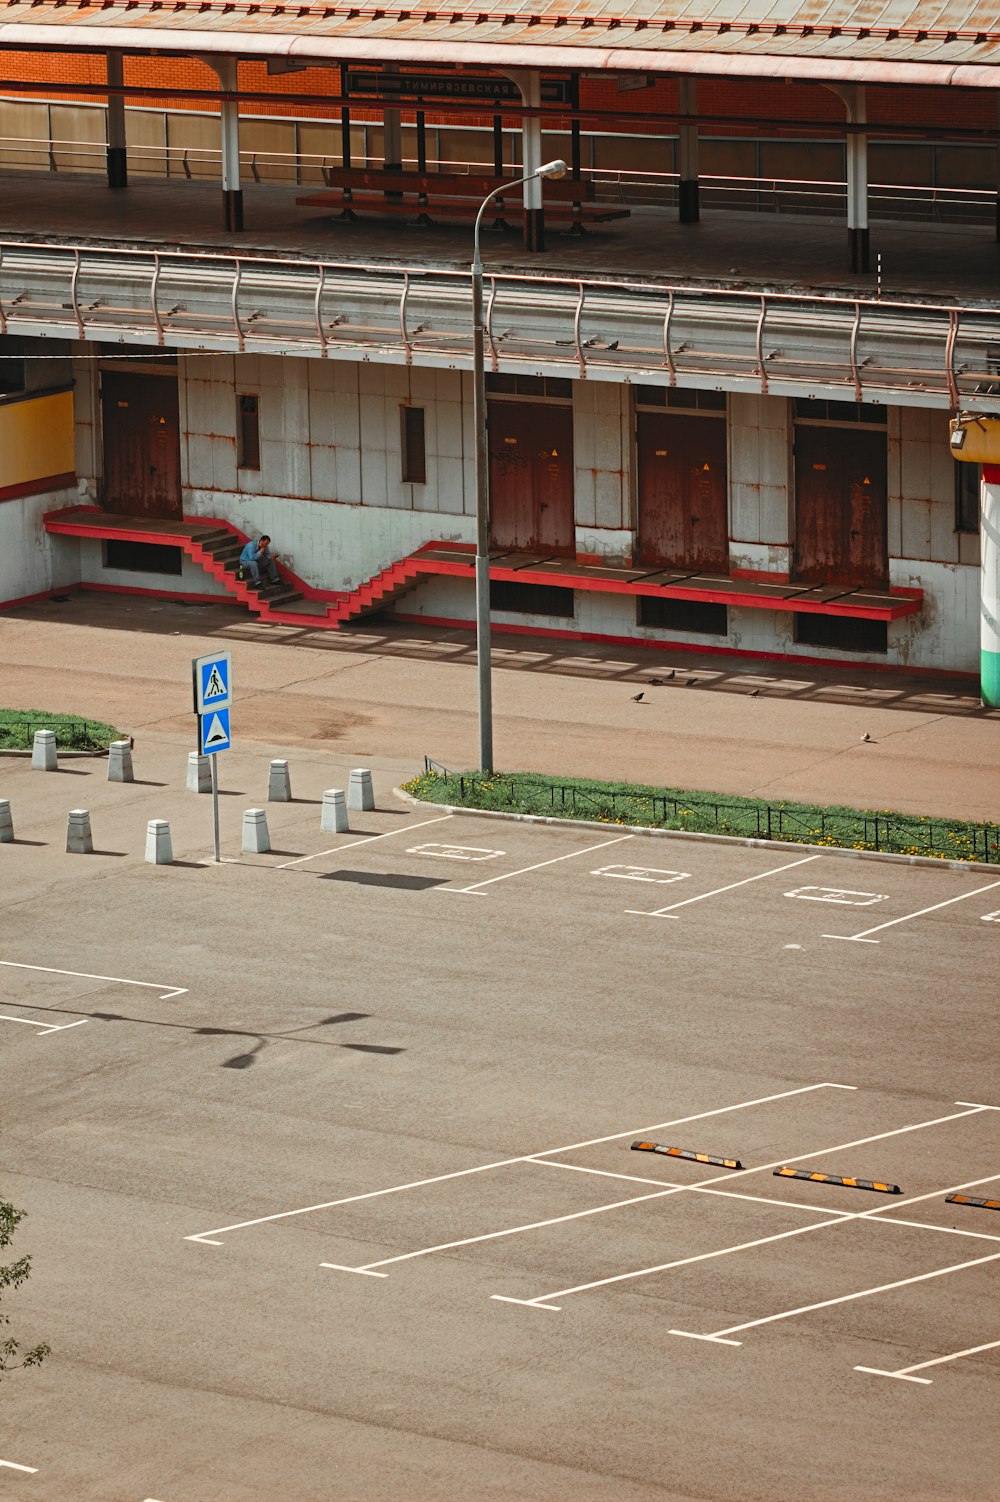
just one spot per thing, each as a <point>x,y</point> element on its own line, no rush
<point>36,440</point>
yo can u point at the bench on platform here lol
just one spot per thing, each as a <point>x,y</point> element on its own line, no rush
<point>429,196</point>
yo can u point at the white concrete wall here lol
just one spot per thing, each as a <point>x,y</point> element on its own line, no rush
<point>32,562</point>
<point>760,483</point>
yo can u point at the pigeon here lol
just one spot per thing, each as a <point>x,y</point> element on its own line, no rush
<point>672,673</point>
<point>690,681</point>
<point>658,682</point>
<point>753,693</point>
<point>637,698</point>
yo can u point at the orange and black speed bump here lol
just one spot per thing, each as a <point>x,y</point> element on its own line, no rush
<point>684,1152</point>
<point>835,1178</point>
<point>967,1199</point>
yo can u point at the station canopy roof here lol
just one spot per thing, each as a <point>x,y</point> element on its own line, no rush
<point>933,42</point>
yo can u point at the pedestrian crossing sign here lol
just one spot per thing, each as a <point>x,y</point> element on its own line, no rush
<point>213,732</point>
<point>213,682</point>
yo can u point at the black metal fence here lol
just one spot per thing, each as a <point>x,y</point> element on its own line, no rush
<point>893,833</point>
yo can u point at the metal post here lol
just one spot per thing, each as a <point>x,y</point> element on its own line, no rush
<point>116,157</point>
<point>687,154</point>
<point>483,643</point>
<point>479,415</point>
<point>215,806</point>
<point>989,597</point>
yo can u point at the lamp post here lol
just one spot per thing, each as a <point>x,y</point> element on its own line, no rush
<point>549,169</point>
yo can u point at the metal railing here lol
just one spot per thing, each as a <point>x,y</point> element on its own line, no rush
<point>884,832</point>
<point>67,732</point>
<point>902,351</point>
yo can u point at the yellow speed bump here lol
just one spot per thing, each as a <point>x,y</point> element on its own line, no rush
<point>835,1178</point>
<point>965,1199</point>
<point>684,1152</point>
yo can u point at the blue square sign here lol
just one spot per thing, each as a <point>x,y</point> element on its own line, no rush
<point>213,682</point>
<point>213,731</point>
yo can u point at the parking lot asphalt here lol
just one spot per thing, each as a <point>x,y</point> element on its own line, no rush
<point>327,1157</point>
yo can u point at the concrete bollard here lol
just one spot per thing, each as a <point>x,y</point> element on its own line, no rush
<point>159,850</point>
<point>334,818</point>
<point>360,793</point>
<point>120,762</point>
<point>279,784</point>
<point>256,840</point>
<point>79,840</point>
<point>6,823</point>
<point>43,752</point>
<point>199,773</point>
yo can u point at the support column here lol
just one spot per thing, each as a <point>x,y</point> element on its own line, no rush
<point>392,133</point>
<point>530,84</point>
<point>117,161</point>
<point>989,592</point>
<point>858,249</point>
<point>687,154</point>
<point>998,172</point>
<point>232,193</point>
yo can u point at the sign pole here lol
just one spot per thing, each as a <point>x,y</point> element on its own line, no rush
<point>215,808</point>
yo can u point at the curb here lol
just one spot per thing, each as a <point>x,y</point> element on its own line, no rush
<point>65,755</point>
<point>710,839</point>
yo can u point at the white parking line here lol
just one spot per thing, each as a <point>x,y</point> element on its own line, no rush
<point>117,980</point>
<point>761,876</point>
<point>545,1299</point>
<point>731,1194</point>
<point>45,1027</point>
<point>571,855</point>
<point>904,1371</point>
<point>459,1173</point>
<point>12,1465</point>
<point>721,1336</point>
<point>863,936</point>
<point>368,839</point>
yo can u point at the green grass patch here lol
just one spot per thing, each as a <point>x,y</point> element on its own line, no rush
<point>709,813</point>
<point>73,732</point>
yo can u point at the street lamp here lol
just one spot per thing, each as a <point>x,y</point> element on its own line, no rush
<point>550,169</point>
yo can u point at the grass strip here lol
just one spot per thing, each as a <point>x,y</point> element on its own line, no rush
<point>709,813</point>
<point>73,732</point>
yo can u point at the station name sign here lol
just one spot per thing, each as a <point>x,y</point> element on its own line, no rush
<point>450,86</point>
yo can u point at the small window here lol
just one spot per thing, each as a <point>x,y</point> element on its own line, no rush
<point>142,557</point>
<point>703,616</point>
<point>678,396</point>
<point>841,632</point>
<point>248,432</point>
<point>531,599</point>
<point>414,446</point>
<point>819,408</point>
<point>526,385</point>
<point>966,497</point>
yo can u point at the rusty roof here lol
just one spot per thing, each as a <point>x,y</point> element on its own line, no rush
<point>888,41</point>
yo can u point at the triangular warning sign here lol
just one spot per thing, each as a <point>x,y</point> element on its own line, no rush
<point>215,688</point>
<point>216,733</point>
<point>866,481</point>
<point>555,453</point>
<point>705,466</point>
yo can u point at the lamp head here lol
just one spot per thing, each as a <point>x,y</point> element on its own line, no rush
<point>557,168</point>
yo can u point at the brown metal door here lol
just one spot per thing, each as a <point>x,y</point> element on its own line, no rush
<point>142,446</point>
<point>683,516</point>
<point>841,525</point>
<point>531,477</point>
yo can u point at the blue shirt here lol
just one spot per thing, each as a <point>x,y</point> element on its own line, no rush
<point>251,553</point>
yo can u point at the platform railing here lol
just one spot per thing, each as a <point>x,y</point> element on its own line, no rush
<point>909,352</point>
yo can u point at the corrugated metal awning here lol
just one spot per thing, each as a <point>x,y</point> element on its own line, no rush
<point>953,42</point>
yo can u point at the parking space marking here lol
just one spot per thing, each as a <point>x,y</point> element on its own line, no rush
<point>723,1337</point>
<point>832,1218</point>
<point>991,917</point>
<point>904,1373</point>
<point>117,980</point>
<point>203,1236</point>
<point>12,1465</point>
<point>457,852</point>
<point>835,1217</point>
<point>732,1194</point>
<point>864,936</point>
<point>761,876</point>
<point>569,856</point>
<point>840,895</point>
<point>368,839</point>
<point>45,1027</point>
<point>642,873</point>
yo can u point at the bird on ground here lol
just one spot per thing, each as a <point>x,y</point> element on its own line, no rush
<point>690,681</point>
<point>658,682</point>
<point>672,673</point>
<point>866,737</point>
<point>637,698</point>
<point>753,693</point>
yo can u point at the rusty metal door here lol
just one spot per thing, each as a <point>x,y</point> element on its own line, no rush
<point>531,477</point>
<point>142,446</point>
<point>683,518</point>
<point>841,524</point>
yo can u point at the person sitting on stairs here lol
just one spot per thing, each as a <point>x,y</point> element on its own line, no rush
<point>256,556</point>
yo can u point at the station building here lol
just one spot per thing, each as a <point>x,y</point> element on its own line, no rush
<point>722,351</point>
